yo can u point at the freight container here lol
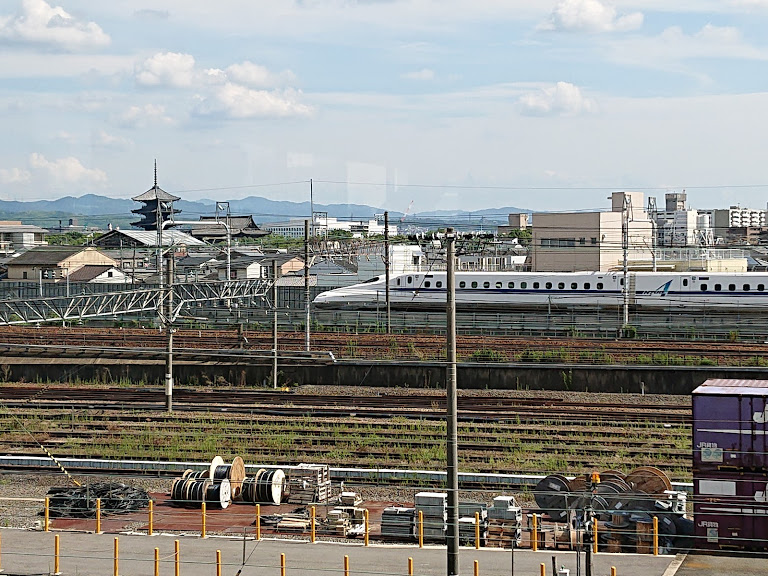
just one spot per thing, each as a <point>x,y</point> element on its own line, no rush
<point>729,425</point>
<point>731,511</point>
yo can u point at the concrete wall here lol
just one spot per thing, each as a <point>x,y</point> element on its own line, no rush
<point>656,379</point>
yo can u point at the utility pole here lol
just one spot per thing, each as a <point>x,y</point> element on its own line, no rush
<point>626,205</point>
<point>169,330</point>
<point>386,269</point>
<point>306,283</point>
<point>653,215</point>
<point>452,416</point>
<point>274,324</point>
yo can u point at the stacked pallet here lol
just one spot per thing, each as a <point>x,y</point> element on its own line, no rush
<point>296,523</point>
<point>337,522</point>
<point>467,511</point>
<point>434,509</point>
<point>308,483</point>
<point>398,522</point>
<point>505,523</point>
<point>349,499</point>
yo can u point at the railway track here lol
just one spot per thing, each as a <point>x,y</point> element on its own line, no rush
<point>470,408</point>
<point>411,346</point>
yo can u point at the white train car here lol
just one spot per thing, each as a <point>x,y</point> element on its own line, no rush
<point>503,290</point>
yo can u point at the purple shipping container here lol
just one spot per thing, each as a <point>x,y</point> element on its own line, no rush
<point>729,425</point>
<point>731,511</point>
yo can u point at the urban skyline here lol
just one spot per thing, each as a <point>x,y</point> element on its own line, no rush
<point>449,105</point>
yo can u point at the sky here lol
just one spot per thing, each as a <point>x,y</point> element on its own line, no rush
<point>427,104</point>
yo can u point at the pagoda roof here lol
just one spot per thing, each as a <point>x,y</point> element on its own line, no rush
<point>155,193</point>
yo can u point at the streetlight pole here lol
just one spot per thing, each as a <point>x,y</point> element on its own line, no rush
<point>452,416</point>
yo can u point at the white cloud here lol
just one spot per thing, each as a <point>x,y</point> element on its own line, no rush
<point>40,23</point>
<point>562,99</point>
<point>103,139</point>
<point>236,101</point>
<point>673,46</point>
<point>423,74</point>
<point>143,116</point>
<point>590,16</point>
<point>66,170</point>
<point>167,69</point>
<point>256,76</point>
<point>14,176</point>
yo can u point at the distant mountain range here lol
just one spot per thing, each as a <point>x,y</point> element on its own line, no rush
<point>99,211</point>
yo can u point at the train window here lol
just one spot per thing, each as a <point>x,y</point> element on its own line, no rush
<point>718,287</point>
<point>685,281</point>
<point>498,284</point>
<point>760,287</point>
<point>439,283</point>
<point>703,287</point>
<point>462,284</point>
<point>731,287</point>
<point>746,287</point>
<point>586,286</point>
<point>548,285</point>
<point>510,285</point>
<point>560,285</point>
<point>427,284</point>
<point>574,285</point>
<point>536,285</point>
<point>621,282</point>
<point>523,285</point>
<point>599,286</point>
<point>486,284</point>
<point>398,281</point>
<point>409,280</point>
<point>474,284</point>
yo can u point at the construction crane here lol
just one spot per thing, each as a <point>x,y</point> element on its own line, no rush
<point>406,211</point>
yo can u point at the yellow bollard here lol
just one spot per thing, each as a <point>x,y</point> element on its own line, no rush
<point>282,564</point>
<point>47,521</point>
<point>367,525</point>
<point>114,567</point>
<point>535,534</point>
<point>543,569</point>
<point>613,570</point>
<point>655,535</point>
<point>421,529</point>
<point>98,515</point>
<point>594,535</point>
<point>477,568</point>
<point>258,521</point>
<point>56,555</point>
<point>202,514</point>
<point>346,565</point>
<point>151,529</point>
<point>176,558</point>
<point>312,524</point>
<point>157,561</point>
<point>218,562</point>
<point>477,530</point>
<point>410,566</point>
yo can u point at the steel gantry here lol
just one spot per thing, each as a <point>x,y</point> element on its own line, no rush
<point>78,307</point>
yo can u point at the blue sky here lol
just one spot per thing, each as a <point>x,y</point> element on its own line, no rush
<point>466,104</point>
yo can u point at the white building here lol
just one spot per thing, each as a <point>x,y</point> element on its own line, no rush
<point>321,225</point>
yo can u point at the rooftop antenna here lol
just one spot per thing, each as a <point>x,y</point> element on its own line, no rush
<point>155,172</point>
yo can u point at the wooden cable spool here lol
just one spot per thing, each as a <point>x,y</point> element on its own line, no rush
<point>236,477</point>
<point>219,493</point>
<point>234,472</point>
<point>215,463</point>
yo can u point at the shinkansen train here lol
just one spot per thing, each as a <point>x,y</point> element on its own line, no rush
<point>504,290</point>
